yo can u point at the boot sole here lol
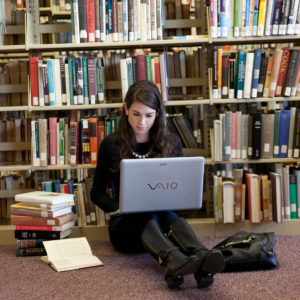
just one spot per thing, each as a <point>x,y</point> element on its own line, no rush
<point>190,267</point>
<point>213,263</point>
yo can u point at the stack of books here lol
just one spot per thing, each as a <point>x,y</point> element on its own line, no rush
<point>40,216</point>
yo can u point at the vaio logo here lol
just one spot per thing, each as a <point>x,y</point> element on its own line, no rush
<point>167,186</point>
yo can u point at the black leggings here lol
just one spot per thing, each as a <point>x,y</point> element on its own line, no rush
<point>125,231</point>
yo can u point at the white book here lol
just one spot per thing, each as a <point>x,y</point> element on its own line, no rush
<point>44,197</point>
<point>143,20</point>
<point>153,20</point>
<point>148,17</point>
<point>70,254</point>
<point>269,17</point>
<point>76,38</point>
<point>124,77</point>
<point>120,21</point>
<point>125,20</point>
<point>57,82</point>
<point>218,140</point>
<point>248,74</point>
<point>40,80</point>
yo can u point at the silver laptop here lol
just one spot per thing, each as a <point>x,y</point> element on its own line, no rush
<point>156,184</point>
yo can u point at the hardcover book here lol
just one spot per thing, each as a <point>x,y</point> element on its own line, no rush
<point>44,197</point>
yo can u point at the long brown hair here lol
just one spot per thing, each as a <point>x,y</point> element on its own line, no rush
<point>147,93</point>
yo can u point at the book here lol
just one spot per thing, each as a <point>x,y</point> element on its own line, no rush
<point>267,136</point>
<point>293,195</point>
<point>30,252</point>
<point>33,243</point>
<point>286,192</point>
<point>44,197</point>
<point>283,133</point>
<point>276,196</point>
<point>46,227</point>
<point>32,220</point>
<point>228,200</point>
<point>253,197</point>
<point>23,209</point>
<point>70,254</point>
<point>37,234</point>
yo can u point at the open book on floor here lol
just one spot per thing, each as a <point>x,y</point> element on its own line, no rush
<point>70,254</point>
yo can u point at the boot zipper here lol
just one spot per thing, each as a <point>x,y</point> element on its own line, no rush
<point>176,239</point>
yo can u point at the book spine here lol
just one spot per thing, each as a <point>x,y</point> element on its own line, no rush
<point>231,77</point>
<point>269,17</point>
<point>31,252</point>
<point>85,80</point>
<point>256,71</point>
<point>102,16</point>
<point>241,74</point>
<point>256,136</point>
<point>53,140</point>
<point>225,70</point>
<point>276,17</point>
<point>79,85</point>
<point>63,80</point>
<point>268,76</point>
<point>291,74</point>
<point>33,243</point>
<point>51,83</point>
<point>248,75</point>
<point>85,141</point>
<point>261,17</point>
<point>255,17</point>
<point>82,21</point>
<point>92,80</point>
<point>38,227</point>
<point>215,74</point>
<point>275,72</point>
<point>283,69</point>
<point>77,29</point>
<point>90,21</point>
<point>236,18</point>
<point>283,136</point>
<point>40,83</point>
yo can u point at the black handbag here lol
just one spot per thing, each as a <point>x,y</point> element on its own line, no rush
<point>245,251</point>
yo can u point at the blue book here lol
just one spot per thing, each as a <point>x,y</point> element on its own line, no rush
<point>256,70</point>
<point>125,20</point>
<point>224,18</point>
<point>284,133</point>
<point>255,17</point>
<point>109,24</point>
<point>246,27</point>
<point>51,82</point>
<point>240,74</point>
<point>37,141</point>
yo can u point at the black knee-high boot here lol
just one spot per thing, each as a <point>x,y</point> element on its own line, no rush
<point>167,254</point>
<point>212,261</point>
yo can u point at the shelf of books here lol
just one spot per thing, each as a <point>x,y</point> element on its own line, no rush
<point>231,93</point>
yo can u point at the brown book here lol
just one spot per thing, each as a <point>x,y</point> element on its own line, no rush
<point>265,197</point>
<point>276,196</point>
<point>32,220</point>
<point>253,197</point>
<point>178,15</point>
<point>267,135</point>
<point>275,72</point>
<point>2,140</point>
<point>23,209</point>
<point>268,77</point>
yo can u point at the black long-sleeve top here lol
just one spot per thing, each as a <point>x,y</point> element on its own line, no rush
<point>107,173</point>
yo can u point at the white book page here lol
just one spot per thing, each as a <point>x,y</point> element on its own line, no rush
<point>63,249</point>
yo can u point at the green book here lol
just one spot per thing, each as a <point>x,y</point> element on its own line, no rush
<point>71,81</point>
<point>148,67</point>
<point>293,196</point>
<point>276,133</point>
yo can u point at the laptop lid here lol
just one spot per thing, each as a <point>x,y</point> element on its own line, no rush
<point>156,184</point>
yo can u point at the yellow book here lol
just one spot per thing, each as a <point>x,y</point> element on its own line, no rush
<point>220,52</point>
<point>261,17</point>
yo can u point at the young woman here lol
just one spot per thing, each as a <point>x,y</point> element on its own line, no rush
<point>169,238</point>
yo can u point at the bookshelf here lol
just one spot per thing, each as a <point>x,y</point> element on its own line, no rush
<point>33,46</point>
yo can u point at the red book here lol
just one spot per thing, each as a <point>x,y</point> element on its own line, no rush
<point>157,73</point>
<point>32,220</point>
<point>46,227</point>
<point>93,140</point>
<point>53,140</point>
<point>90,21</point>
<point>141,66</point>
<point>34,80</point>
<point>284,65</point>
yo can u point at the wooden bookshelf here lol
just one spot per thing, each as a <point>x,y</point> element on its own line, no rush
<point>203,227</point>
